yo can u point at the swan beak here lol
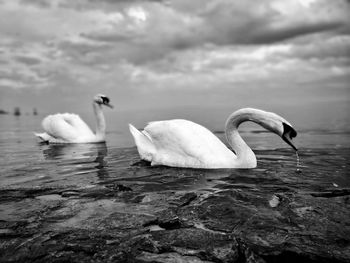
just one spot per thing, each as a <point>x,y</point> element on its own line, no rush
<point>288,134</point>
<point>109,105</point>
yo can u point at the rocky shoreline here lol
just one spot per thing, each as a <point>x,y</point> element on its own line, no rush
<point>120,223</point>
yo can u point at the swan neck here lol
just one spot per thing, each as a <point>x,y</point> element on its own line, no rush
<point>100,121</point>
<point>243,152</point>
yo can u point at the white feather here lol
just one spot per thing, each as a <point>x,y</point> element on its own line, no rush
<point>182,143</point>
<point>70,128</point>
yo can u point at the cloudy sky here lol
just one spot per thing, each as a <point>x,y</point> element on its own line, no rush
<point>289,56</point>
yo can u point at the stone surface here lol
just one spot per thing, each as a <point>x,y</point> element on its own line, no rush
<point>116,223</point>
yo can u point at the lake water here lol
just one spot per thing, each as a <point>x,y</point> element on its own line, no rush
<point>24,162</point>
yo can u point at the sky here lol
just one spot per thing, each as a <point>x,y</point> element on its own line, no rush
<point>178,58</point>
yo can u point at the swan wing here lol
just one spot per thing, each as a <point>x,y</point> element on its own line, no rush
<point>66,127</point>
<point>43,136</point>
<point>143,142</point>
<point>183,143</point>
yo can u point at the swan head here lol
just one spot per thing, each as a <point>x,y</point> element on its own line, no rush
<point>288,134</point>
<point>269,120</point>
<point>276,124</point>
<point>102,100</point>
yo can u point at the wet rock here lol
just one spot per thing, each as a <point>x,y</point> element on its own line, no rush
<point>274,201</point>
<point>234,223</point>
<point>332,193</point>
<point>50,197</point>
<point>4,232</point>
<point>168,258</point>
<point>70,193</point>
<point>187,199</point>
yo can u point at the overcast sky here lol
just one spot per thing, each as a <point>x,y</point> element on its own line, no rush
<point>176,54</point>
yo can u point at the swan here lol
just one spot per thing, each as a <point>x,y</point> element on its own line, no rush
<point>183,143</point>
<point>70,128</point>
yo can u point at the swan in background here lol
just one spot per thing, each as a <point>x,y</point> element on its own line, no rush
<point>70,128</point>
<point>182,143</point>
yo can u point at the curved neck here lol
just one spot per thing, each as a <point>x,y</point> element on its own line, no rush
<point>100,121</point>
<point>243,152</point>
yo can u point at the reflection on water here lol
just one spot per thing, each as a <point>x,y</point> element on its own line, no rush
<point>75,151</point>
<point>82,152</point>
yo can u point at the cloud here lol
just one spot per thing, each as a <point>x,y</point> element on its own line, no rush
<point>20,78</point>
<point>265,65</point>
<point>10,83</point>
<point>28,60</point>
<point>319,47</point>
<point>249,22</point>
<point>172,44</point>
<point>148,31</point>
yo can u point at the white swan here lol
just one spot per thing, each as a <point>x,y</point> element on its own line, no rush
<point>182,143</point>
<point>70,128</point>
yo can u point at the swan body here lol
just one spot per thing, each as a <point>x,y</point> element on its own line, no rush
<point>70,128</point>
<point>182,143</point>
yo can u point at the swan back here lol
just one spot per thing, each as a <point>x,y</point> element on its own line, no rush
<point>183,143</point>
<point>67,127</point>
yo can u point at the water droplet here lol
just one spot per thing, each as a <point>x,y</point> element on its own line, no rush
<point>298,170</point>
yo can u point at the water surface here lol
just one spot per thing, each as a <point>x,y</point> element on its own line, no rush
<point>24,162</point>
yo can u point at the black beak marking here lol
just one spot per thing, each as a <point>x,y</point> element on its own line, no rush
<point>288,134</point>
<point>105,100</point>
